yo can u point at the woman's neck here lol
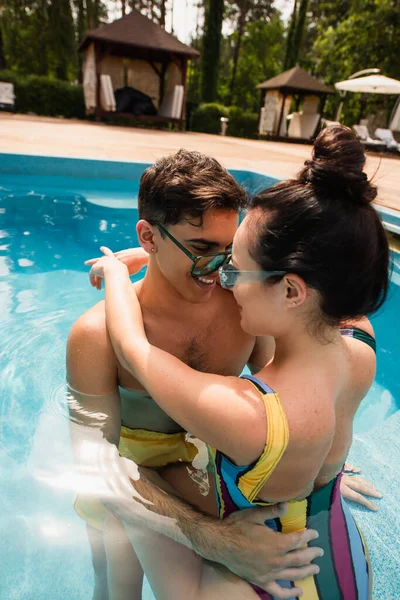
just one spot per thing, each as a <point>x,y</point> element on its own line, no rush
<point>301,341</point>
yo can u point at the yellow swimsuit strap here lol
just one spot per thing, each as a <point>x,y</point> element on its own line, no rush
<point>277,439</point>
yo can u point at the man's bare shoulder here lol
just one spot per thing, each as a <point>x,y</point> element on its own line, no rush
<point>91,362</point>
<point>91,324</point>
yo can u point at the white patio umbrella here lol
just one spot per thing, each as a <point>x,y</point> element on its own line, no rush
<point>372,84</point>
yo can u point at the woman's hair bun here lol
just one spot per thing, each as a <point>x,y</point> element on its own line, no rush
<point>336,167</point>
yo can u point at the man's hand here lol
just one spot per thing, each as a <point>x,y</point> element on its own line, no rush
<point>258,554</point>
<point>134,258</point>
<point>356,488</point>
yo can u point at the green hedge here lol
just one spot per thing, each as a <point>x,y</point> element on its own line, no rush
<point>242,123</point>
<point>207,119</point>
<point>45,96</point>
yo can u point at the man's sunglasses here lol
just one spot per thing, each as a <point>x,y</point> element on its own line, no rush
<point>229,276</point>
<point>202,265</point>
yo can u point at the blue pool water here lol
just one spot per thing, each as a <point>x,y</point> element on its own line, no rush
<point>54,213</point>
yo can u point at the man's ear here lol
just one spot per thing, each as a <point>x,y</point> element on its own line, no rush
<point>146,236</point>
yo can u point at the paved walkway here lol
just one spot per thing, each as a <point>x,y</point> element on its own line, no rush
<point>61,137</point>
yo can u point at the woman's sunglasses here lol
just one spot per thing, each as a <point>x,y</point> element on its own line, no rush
<point>229,276</point>
<point>202,265</point>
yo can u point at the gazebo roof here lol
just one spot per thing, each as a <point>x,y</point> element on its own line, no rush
<point>136,32</point>
<point>295,80</point>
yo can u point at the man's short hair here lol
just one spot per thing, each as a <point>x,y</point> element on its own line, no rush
<point>185,185</point>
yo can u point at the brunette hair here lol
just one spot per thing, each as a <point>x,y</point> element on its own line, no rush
<point>323,227</point>
<point>184,186</point>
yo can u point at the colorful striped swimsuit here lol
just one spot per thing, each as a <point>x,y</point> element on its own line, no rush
<point>344,567</point>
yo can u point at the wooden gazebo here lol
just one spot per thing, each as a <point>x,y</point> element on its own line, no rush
<point>135,49</point>
<point>294,83</point>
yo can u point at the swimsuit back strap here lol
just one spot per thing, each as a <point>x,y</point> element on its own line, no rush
<point>359,334</point>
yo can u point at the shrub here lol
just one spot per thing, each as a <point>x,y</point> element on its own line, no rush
<point>207,117</point>
<point>46,96</point>
<point>242,123</point>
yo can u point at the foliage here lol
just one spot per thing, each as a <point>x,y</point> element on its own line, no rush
<point>295,34</point>
<point>153,9</point>
<point>242,123</point>
<point>290,38</point>
<point>260,59</point>
<point>207,119</point>
<point>243,12</point>
<point>38,37</point>
<point>211,49</point>
<point>363,39</point>
<point>45,96</point>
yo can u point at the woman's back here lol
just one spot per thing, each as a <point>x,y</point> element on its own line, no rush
<point>309,431</point>
<point>320,397</point>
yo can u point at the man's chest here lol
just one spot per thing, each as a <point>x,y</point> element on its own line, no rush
<point>214,346</point>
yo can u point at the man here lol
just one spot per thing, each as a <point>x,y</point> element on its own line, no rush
<point>188,209</point>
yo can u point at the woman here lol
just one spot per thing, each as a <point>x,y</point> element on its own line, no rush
<point>310,254</point>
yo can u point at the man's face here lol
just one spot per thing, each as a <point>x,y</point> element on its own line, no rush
<point>213,236</point>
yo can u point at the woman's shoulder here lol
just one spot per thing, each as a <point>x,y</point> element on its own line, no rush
<point>359,338</point>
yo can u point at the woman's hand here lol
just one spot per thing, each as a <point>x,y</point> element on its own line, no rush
<point>108,261</point>
<point>134,258</point>
<point>96,273</point>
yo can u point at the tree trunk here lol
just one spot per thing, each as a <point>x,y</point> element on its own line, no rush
<point>172,16</point>
<point>123,7</point>
<point>241,29</point>
<point>298,34</point>
<point>3,64</point>
<point>212,49</point>
<point>163,12</point>
<point>289,43</point>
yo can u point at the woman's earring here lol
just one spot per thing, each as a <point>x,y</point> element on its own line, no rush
<point>152,249</point>
<point>294,303</point>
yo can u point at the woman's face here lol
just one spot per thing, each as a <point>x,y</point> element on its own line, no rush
<point>262,306</point>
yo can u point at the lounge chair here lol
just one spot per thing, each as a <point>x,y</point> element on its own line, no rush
<point>387,137</point>
<point>303,124</point>
<point>7,96</point>
<point>365,138</point>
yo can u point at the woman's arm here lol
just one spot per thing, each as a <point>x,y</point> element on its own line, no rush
<point>226,412</point>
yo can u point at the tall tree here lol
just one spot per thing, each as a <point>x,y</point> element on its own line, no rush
<point>299,32</point>
<point>62,44</point>
<point>367,36</point>
<point>295,34</point>
<point>260,58</point>
<point>3,64</point>
<point>243,8</point>
<point>242,12</point>
<point>290,39</point>
<point>211,49</point>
